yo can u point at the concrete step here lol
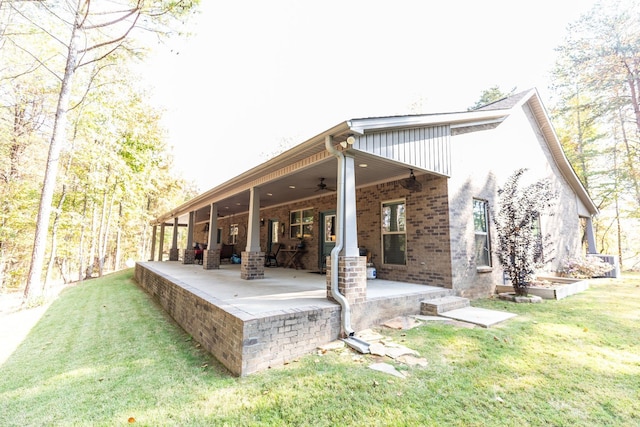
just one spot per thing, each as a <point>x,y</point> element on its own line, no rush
<point>436,306</point>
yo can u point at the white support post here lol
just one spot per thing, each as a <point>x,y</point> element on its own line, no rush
<point>174,242</point>
<point>591,240</point>
<point>153,242</point>
<point>192,215</point>
<point>253,233</point>
<point>212,242</point>
<point>350,223</point>
<point>161,242</point>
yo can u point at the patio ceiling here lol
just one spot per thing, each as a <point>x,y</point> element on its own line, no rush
<point>303,184</point>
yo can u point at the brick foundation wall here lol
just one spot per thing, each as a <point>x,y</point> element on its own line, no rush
<point>376,311</point>
<point>281,337</point>
<point>243,343</point>
<point>218,331</point>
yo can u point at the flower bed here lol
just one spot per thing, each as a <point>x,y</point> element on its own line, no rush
<point>551,287</point>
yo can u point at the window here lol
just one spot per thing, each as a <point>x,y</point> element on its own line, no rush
<point>301,224</point>
<point>233,234</point>
<point>536,230</point>
<point>394,233</point>
<point>275,231</point>
<point>481,228</point>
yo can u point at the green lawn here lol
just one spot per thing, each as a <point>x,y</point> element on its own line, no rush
<point>104,353</point>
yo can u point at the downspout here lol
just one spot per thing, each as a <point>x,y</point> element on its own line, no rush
<point>335,292</point>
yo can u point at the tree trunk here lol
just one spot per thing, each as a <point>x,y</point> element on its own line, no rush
<point>34,286</point>
<point>54,237</point>
<point>101,232</point>
<point>117,261</point>
<point>83,228</point>
<point>94,239</point>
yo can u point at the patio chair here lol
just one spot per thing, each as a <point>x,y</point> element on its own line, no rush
<point>271,259</point>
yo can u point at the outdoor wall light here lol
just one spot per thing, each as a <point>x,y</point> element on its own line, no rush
<point>349,141</point>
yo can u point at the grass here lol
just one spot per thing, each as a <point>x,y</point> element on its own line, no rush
<point>105,354</point>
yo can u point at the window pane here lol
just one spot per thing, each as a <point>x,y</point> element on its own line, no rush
<point>296,217</point>
<point>330,228</point>
<point>479,216</point>
<point>393,217</point>
<point>307,216</point>
<point>394,248</point>
<point>482,250</point>
<point>481,227</point>
<point>307,230</point>
<point>296,231</point>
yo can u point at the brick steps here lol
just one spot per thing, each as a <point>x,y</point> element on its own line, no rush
<point>437,306</point>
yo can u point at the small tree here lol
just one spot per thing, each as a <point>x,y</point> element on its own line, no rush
<point>520,244</point>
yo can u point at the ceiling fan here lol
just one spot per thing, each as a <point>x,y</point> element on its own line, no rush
<point>321,186</point>
<point>411,183</point>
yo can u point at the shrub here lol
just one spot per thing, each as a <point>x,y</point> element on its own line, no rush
<point>584,267</point>
<point>519,242</point>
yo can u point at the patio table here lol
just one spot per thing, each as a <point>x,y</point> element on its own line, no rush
<point>293,257</point>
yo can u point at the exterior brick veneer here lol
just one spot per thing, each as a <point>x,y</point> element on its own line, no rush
<point>211,259</point>
<point>243,343</point>
<point>174,254</point>
<point>428,230</point>
<point>252,265</point>
<point>189,256</point>
<point>352,278</point>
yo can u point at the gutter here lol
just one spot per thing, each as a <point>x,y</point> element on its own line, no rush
<point>335,292</point>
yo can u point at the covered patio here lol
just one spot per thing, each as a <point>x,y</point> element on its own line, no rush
<point>253,325</point>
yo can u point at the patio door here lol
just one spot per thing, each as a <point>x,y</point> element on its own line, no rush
<point>327,237</point>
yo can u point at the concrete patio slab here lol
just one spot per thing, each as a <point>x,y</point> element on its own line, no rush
<point>252,325</point>
<point>478,316</point>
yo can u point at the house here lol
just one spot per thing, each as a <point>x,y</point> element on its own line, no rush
<point>411,196</point>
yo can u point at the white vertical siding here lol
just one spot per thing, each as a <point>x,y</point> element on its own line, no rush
<point>426,148</point>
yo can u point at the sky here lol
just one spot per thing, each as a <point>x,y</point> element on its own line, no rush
<point>256,76</point>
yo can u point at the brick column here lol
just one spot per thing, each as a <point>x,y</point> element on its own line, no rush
<point>252,265</point>
<point>189,256</point>
<point>211,259</point>
<point>174,254</point>
<point>352,278</point>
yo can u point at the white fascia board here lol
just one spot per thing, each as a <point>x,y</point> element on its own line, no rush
<point>362,126</point>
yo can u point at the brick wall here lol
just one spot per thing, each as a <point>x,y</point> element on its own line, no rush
<point>427,213</point>
<point>428,249</point>
<point>481,162</point>
<point>310,258</point>
<point>242,343</point>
